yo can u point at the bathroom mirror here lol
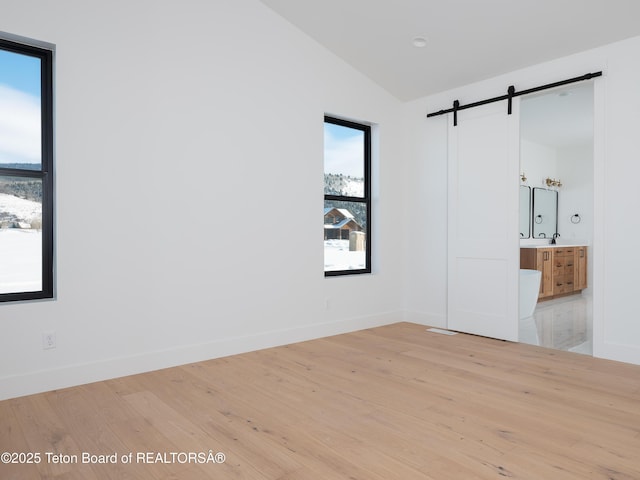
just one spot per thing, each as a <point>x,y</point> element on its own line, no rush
<point>525,211</point>
<point>545,213</point>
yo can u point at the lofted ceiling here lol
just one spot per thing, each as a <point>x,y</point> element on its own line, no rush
<point>466,40</point>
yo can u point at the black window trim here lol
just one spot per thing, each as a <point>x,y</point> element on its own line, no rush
<point>45,174</point>
<point>366,199</point>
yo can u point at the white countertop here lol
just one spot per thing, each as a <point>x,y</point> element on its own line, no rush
<point>557,245</point>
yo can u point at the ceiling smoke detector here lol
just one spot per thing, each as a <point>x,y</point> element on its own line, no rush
<point>419,41</point>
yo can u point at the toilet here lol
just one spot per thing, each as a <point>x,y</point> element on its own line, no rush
<point>529,290</point>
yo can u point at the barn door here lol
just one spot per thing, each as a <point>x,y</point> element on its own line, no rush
<point>483,256</point>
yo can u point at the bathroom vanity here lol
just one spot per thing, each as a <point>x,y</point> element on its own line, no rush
<point>563,267</point>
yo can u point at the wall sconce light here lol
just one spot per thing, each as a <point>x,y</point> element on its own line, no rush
<point>552,182</point>
<point>523,178</point>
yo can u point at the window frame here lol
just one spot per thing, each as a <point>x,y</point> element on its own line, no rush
<point>365,199</point>
<point>45,174</point>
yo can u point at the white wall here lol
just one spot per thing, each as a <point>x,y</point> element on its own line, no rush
<point>616,174</point>
<point>426,217</point>
<point>538,162</point>
<point>189,190</point>
<point>575,168</point>
<point>616,259</point>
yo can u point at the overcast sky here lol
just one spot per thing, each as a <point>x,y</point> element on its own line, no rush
<point>343,150</point>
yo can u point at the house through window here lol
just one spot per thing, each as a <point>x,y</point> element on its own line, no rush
<point>26,176</point>
<point>347,197</point>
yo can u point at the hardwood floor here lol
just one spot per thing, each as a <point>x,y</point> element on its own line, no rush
<point>396,402</point>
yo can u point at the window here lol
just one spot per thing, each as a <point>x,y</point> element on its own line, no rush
<point>347,197</point>
<point>26,174</point>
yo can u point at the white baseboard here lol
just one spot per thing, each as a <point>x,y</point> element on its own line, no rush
<point>80,374</point>
<point>72,375</point>
<point>617,352</point>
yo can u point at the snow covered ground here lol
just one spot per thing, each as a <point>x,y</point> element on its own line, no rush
<point>20,260</point>
<point>338,257</point>
<point>20,249</point>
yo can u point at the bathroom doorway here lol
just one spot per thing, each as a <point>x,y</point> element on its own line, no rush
<point>557,163</point>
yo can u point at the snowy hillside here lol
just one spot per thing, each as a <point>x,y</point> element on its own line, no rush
<point>14,209</point>
<point>337,184</point>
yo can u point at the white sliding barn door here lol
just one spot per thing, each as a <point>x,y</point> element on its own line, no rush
<point>484,261</point>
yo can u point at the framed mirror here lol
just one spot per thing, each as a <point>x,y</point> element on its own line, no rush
<point>545,213</point>
<point>525,211</point>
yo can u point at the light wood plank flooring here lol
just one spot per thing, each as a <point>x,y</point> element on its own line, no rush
<point>395,402</point>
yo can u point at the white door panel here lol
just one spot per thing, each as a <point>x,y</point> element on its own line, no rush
<point>483,222</point>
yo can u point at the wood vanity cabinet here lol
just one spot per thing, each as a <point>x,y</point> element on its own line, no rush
<point>539,259</point>
<point>564,269</point>
<point>544,264</point>
<point>581,268</point>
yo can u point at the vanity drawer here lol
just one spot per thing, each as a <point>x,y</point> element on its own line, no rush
<point>564,252</point>
<point>561,272</point>
<point>563,284</point>
<point>563,264</point>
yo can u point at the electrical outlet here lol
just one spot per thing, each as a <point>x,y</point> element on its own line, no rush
<point>48,340</point>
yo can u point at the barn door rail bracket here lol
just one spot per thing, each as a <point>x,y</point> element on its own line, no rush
<point>511,94</point>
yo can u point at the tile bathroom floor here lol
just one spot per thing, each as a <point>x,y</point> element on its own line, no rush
<point>564,324</point>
